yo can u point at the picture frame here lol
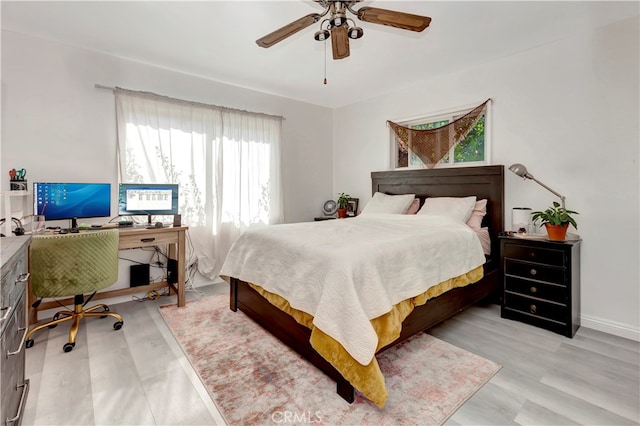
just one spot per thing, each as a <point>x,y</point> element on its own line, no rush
<point>352,207</point>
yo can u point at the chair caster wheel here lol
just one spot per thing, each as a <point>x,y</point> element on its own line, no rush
<point>29,343</point>
<point>68,347</point>
<point>105,309</point>
<point>117,325</point>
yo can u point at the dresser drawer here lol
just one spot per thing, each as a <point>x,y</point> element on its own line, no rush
<point>535,254</point>
<point>132,239</point>
<point>12,365</point>
<point>534,271</point>
<point>553,293</point>
<point>536,307</point>
<point>13,285</point>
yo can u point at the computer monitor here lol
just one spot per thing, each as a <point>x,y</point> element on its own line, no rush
<point>69,200</point>
<point>147,199</point>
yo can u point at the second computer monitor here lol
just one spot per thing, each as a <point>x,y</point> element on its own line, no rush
<point>147,199</point>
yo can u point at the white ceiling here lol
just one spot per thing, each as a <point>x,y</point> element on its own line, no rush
<point>216,39</point>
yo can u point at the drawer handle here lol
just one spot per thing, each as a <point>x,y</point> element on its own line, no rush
<point>532,254</point>
<point>533,309</point>
<point>533,289</point>
<point>17,351</point>
<point>6,314</point>
<point>23,278</point>
<point>25,391</point>
<point>147,240</point>
<point>533,271</point>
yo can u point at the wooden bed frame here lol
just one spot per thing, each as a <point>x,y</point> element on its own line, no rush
<point>483,182</point>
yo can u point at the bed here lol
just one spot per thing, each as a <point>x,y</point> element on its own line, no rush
<point>274,314</point>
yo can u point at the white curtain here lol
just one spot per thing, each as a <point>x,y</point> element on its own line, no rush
<point>226,161</point>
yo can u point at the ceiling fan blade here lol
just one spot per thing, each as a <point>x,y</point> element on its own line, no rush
<point>288,30</point>
<point>340,42</point>
<point>406,21</point>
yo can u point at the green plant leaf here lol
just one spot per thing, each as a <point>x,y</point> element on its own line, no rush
<point>555,215</point>
<point>343,200</point>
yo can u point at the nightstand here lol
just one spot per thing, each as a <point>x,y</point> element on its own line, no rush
<point>541,282</point>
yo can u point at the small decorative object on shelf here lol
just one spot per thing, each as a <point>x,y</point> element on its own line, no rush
<point>343,203</point>
<point>556,219</point>
<point>521,220</point>
<point>17,181</point>
<point>352,207</point>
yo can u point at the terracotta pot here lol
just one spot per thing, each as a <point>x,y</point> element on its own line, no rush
<point>556,232</point>
<point>342,213</point>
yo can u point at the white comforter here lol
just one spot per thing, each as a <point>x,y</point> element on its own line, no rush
<point>347,272</point>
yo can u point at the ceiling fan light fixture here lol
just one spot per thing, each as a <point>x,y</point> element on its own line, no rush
<point>355,32</point>
<point>337,21</point>
<point>322,35</point>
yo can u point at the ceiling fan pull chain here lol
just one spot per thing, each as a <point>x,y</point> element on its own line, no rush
<point>325,61</point>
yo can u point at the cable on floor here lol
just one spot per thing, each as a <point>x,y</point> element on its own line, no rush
<point>151,295</point>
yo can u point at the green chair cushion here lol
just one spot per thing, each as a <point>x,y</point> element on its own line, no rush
<point>70,264</point>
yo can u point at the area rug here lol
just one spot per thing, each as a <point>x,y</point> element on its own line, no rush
<point>253,378</point>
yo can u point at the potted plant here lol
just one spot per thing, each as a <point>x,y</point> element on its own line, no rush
<point>556,219</point>
<point>343,203</point>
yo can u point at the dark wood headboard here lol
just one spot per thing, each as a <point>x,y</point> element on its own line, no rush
<point>482,181</point>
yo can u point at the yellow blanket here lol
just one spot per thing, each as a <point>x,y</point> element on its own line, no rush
<point>368,379</point>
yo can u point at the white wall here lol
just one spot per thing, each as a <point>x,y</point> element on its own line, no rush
<point>59,127</point>
<point>569,112</point>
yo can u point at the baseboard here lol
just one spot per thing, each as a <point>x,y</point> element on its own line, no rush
<point>610,327</point>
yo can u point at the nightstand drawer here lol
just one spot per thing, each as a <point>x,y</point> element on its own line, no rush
<point>535,254</point>
<point>540,308</point>
<point>534,271</point>
<point>554,293</point>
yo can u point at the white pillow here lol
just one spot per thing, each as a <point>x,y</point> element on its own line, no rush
<point>457,208</point>
<point>384,203</point>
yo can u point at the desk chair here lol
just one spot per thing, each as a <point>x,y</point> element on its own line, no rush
<point>74,265</point>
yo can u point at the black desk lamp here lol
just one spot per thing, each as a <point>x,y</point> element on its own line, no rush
<point>521,171</point>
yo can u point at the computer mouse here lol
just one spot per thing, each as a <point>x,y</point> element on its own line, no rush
<point>159,225</point>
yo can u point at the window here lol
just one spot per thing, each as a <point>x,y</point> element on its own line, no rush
<point>225,161</point>
<point>473,150</point>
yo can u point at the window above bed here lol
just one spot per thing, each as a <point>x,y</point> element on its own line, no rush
<point>472,151</point>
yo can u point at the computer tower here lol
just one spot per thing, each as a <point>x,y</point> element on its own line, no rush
<point>138,275</point>
<point>172,271</point>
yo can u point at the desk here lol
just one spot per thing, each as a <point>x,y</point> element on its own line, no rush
<point>131,238</point>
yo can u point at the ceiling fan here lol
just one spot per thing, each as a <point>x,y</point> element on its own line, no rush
<point>337,26</point>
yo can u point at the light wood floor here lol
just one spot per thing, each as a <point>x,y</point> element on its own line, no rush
<point>139,375</point>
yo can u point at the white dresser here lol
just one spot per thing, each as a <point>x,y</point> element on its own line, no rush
<point>14,388</point>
